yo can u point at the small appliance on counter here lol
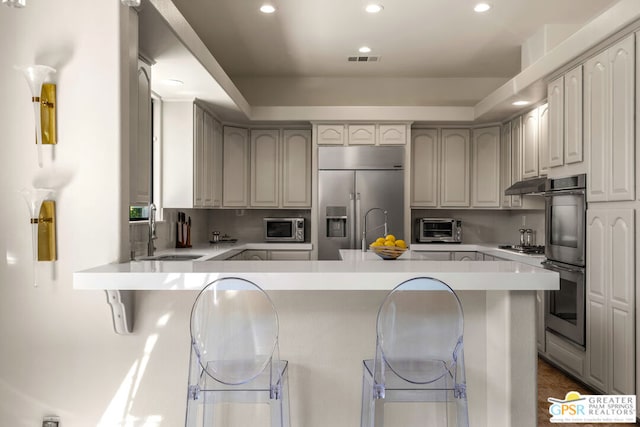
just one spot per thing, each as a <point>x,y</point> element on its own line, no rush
<point>438,230</point>
<point>283,229</point>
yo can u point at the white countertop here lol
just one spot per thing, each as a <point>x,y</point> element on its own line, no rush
<point>357,271</point>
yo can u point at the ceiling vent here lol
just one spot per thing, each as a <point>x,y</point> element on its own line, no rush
<point>363,59</point>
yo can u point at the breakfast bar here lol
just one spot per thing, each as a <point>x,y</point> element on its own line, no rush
<point>327,312</point>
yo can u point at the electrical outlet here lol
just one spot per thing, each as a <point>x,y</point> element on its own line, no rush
<point>51,421</point>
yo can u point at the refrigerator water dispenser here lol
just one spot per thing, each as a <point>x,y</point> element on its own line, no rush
<point>336,217</point>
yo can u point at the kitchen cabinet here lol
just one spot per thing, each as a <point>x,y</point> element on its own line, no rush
<point>281,168</point>
<point>540,330</point>
<point>467,256</point>
<point>424,167</point>
<point>485,179</point>
<point>140,141</point>
<point>609,99</point>
<point>555,98</point>
<point>543,139</point>
<point>255,255</point>
<point>530,133</point>
<point>610,300</point>
<point>235,181</point>
<point>296,168</point>
<point>516,157</point>
<point>331,134</point>
<point>362,133</point>
<point>565,118</point>
<point>505,164</point>
<point>192,172</point>
<point>289,255</point>
<point>454,168</point>
<point>265,163</point>
<point>392,134</point>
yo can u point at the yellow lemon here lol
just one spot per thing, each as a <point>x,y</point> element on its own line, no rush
<point>380,240</point>
<point>401,243</point>
<point>377,243</point>
<point>390,237</point>
<point>389,243</point>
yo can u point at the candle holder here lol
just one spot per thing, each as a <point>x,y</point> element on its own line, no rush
<point>42,218</point>
<point>43,96</point>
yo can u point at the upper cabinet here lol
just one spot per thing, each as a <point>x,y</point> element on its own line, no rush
<point>565,119</point>
<point>505,164</point>
<point>271,168</point>
<point>516,157</point>
<point>281,168</point>
<point>609,96</point>
<point>192,156</point>
<point>140,141</point>
<point>424,167</point>
<point>235,181</point>
<point>530,134</point>
<point>543,139</point>
<point>362,133</point>
<point>454,168</point>
<point>485,178</point>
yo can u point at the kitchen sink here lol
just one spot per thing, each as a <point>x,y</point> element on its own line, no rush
<point>172,257</point>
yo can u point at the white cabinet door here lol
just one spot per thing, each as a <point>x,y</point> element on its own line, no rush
<point>296,168</point>
<point>454,172</point>
<point>211,163</point>
<point>543,139</point>
<point>573,116</point>
<point>265,165</point>
<point>530,144</point>
<point>485,180</point>
<point>424,167</point>
<point>611,299</point>
<point>392,134</point>
<point>289,255</point>
<point>555,97</point>
<point>516,157</point>
<point>140,148</point>
<point>331,134</point>
<point>596,316</point>
<point>540,331</point>
<point>235,192</point>
<point>609,123</point>
<point>178,154</point>
<point>362,134</point>
<point>621,174</point>
<point>198,156</point>
<point>621,301</point>
<point>505,164</point>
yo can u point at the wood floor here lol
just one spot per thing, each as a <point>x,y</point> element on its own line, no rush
<point>553,383</point>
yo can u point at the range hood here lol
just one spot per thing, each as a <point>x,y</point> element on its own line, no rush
<point>528,186</point>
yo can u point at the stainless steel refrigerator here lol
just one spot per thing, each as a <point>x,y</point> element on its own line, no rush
<point>351,181</point>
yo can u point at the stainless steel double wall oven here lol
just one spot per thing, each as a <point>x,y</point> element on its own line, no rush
<point>565,224</point>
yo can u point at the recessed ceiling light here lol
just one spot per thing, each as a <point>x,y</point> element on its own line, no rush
<point>267,8</point>
<point>374,8</point>
<point>482,7</point>
<point>173,82</point>
<point>520,103</point>
<point>364,49</point>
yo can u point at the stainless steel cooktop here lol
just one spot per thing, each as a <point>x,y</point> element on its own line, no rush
<point>523,249</point>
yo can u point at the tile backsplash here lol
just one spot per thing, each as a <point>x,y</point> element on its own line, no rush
<point>246,224</point>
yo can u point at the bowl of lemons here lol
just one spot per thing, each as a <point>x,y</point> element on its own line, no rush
<point>388,247</point>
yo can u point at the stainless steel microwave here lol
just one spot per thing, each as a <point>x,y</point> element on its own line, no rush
<point>438,230</point>
<point>283,229</point>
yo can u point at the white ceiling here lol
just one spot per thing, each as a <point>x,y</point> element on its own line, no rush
<point>432,52</point>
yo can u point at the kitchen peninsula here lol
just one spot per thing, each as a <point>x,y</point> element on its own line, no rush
<point>327,313</point>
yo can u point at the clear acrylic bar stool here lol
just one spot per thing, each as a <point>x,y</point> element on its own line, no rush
<point>235,358</point>
<point>419,355</point>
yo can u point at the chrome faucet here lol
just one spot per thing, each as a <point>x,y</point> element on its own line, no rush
<point>364,229</point>
<point>152,230</point>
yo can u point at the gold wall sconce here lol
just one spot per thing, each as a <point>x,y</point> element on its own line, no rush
<point>15,3</point>
<point>42,211</point>
<point>43,96</point>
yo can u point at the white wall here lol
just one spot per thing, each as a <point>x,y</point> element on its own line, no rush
<point>58,352</point>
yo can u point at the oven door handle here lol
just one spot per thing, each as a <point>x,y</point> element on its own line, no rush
<point>564,193</point>
<point>555,267</point>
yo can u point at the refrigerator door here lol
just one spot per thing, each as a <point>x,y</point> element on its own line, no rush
<point>380,189</point>
<point>336,228</point>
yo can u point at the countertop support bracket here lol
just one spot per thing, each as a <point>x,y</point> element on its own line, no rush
<point>122,305</point>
